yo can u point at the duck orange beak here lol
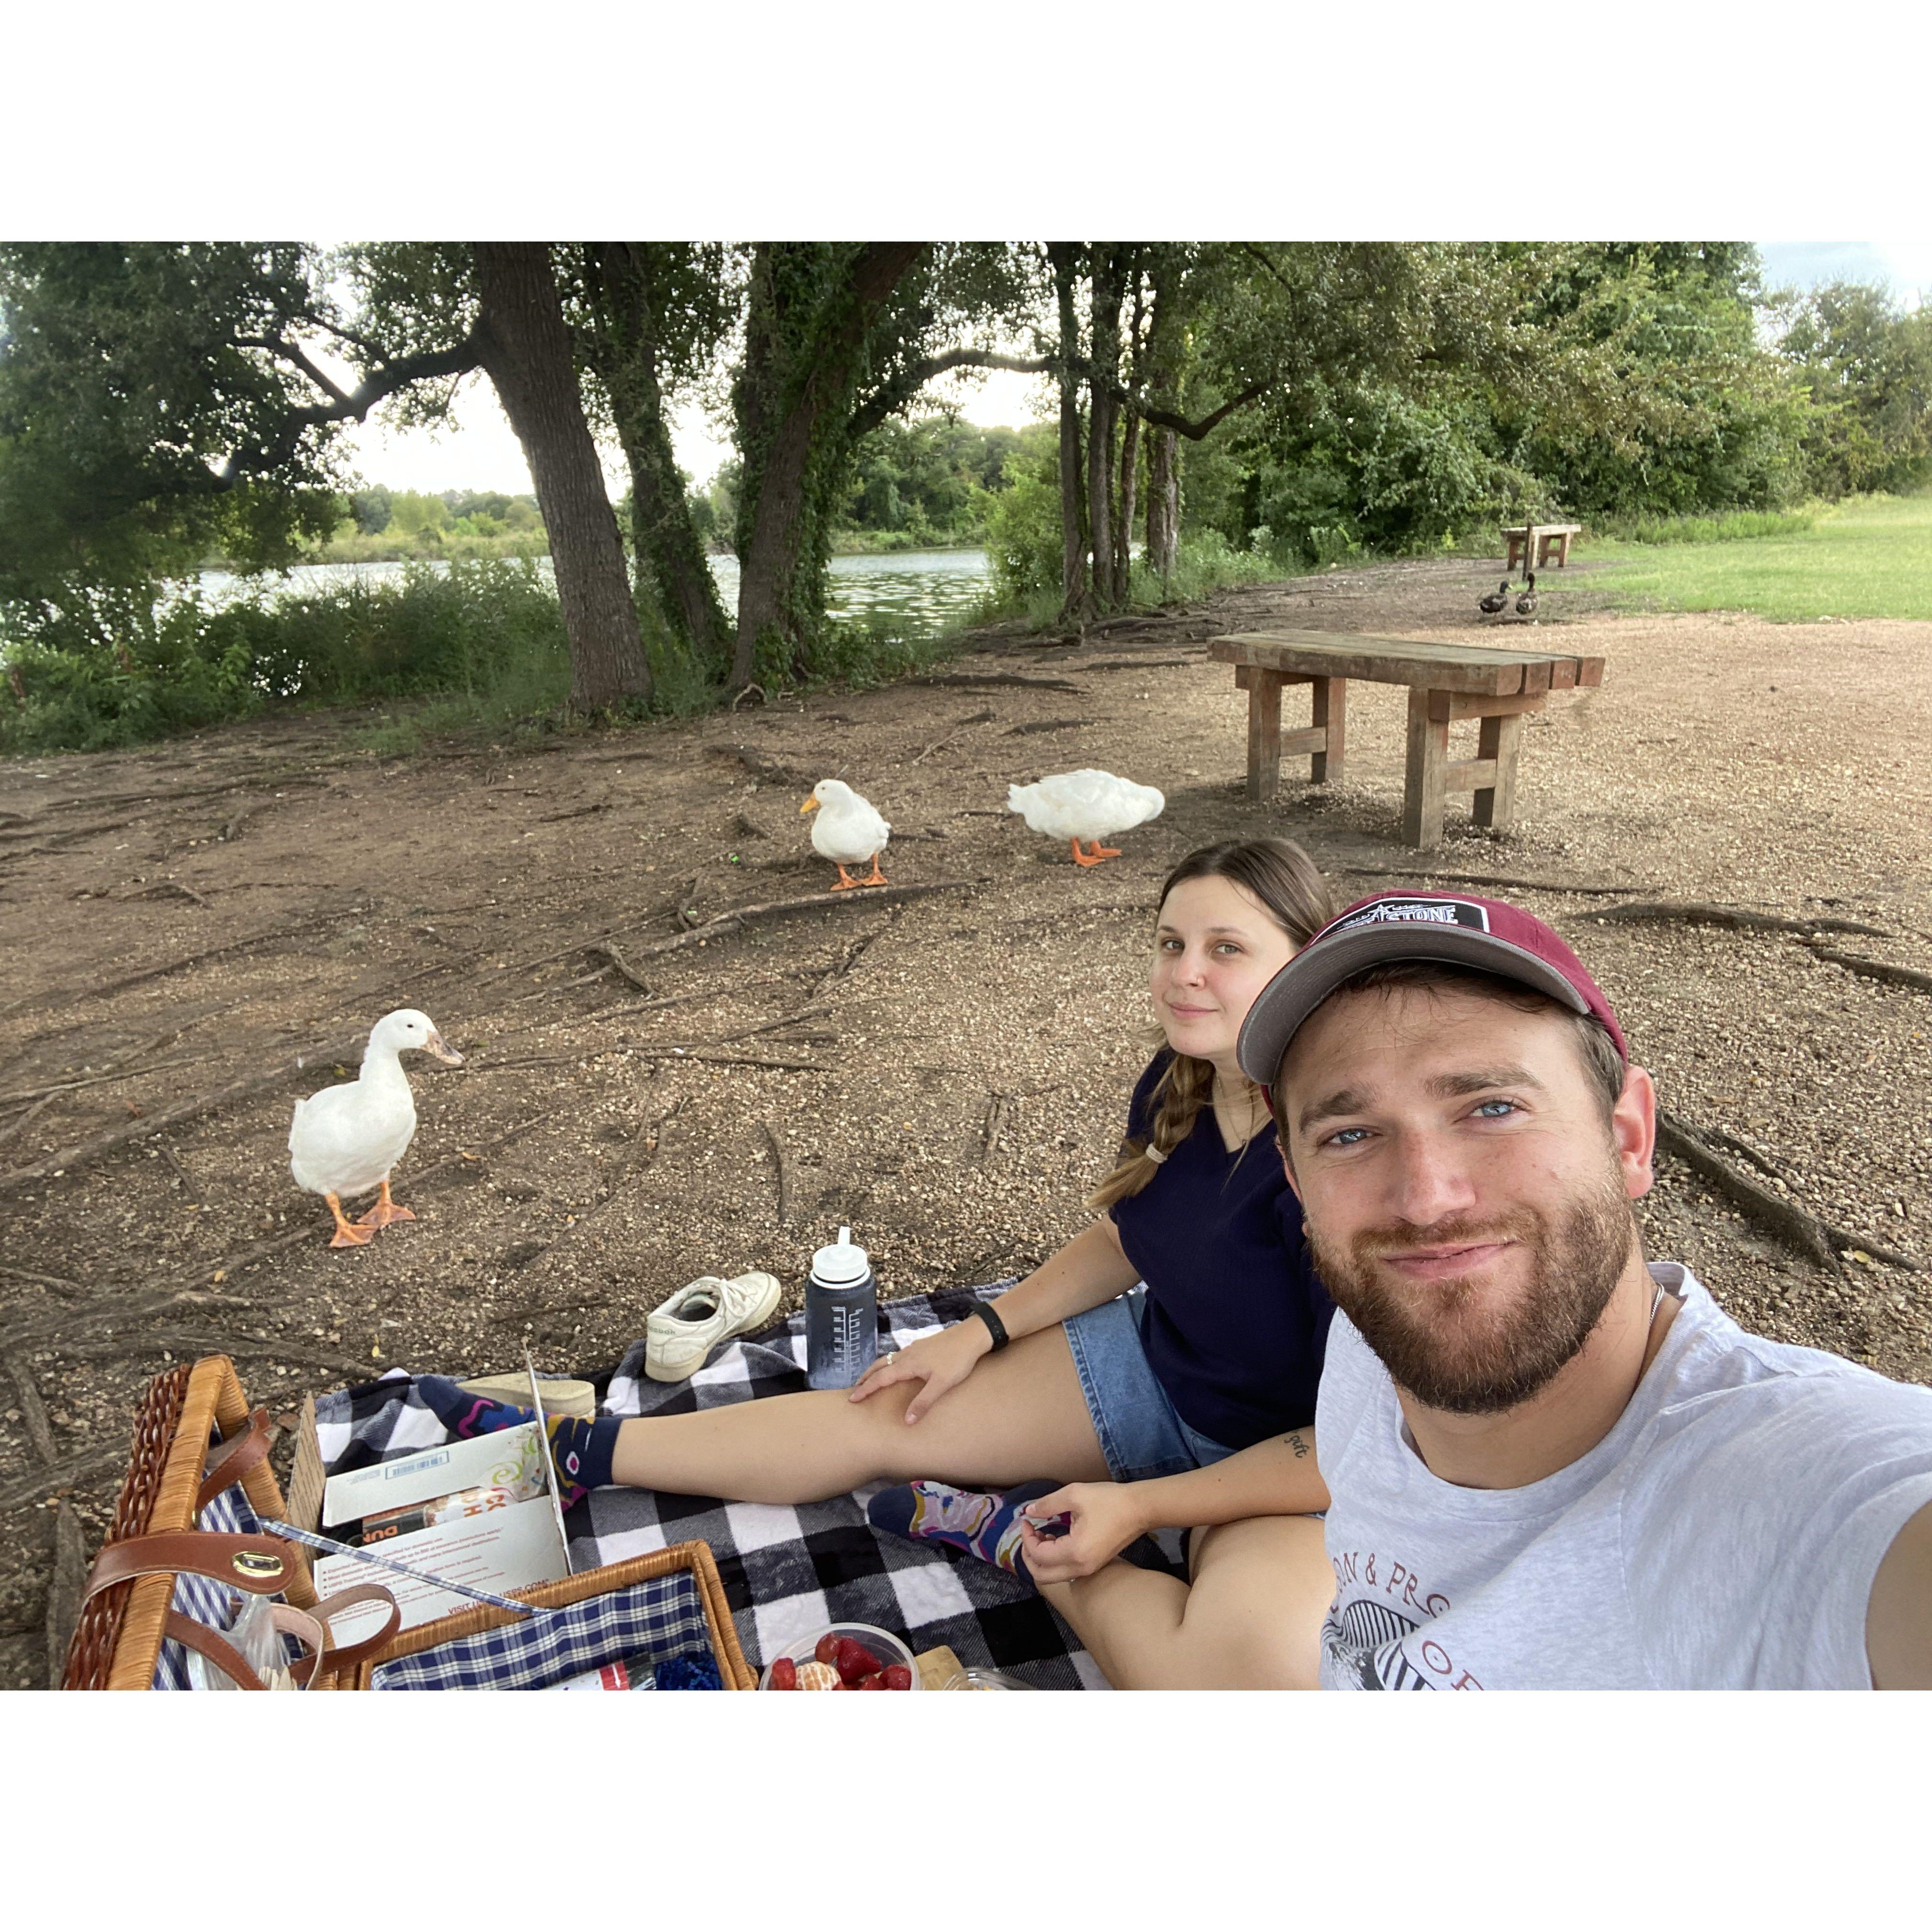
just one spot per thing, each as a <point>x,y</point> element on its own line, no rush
<point>448,1055</point>
<point>810,805</point>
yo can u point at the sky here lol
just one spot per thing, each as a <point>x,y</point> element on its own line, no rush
<point>480,451</point>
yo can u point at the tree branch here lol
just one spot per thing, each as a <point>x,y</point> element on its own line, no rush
<point>242,464</point>
<point>908,384</point>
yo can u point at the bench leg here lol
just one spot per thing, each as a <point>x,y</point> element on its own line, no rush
<point>1264,733</point>
<point>1513,556</point>
<point>1501,739</point>
<point>1331,714</point>
<point>1563,551</point>
<point>1423,790</point>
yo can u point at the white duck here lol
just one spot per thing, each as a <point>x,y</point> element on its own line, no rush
<point>848,831</point>
<point>346,1139</point>
<point>1087,804</point>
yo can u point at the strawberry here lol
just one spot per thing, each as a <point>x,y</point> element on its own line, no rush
<point>873,1681</point>
<point>895,1677</point>
<point>855,1660</point>
<point>828,1647</point>
<point>785,1674</point>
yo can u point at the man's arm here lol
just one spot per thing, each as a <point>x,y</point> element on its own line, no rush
<point>1898,1618</point>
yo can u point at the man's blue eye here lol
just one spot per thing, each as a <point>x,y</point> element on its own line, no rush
<point>1343,1139</point>
<point>1508,1106</point>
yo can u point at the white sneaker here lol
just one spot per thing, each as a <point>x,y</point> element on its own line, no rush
<point>681,1331</point>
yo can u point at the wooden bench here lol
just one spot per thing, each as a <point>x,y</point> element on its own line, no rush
<point>1445,681</point>
<point>1532,541</point>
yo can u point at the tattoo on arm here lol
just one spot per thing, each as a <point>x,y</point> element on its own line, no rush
<point>1294,1440</point>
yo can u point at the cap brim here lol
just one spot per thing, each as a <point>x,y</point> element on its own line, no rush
<point>1309,978</point>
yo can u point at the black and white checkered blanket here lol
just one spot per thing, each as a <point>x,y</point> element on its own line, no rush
<point>787,1571</point>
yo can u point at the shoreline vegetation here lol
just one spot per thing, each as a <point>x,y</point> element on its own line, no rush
<point>480,647</point>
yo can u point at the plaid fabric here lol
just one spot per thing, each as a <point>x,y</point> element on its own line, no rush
<point>661,1618</point>
<point>787,1571</point>
<point>203,1598</point>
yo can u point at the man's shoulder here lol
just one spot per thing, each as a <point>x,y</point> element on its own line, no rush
<point>1783,1413</point>
<point>1709,1360</point>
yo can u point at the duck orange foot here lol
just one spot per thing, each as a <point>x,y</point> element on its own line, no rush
<point>846,883</point>
<point>1099,853</point>
<point>384,1211</point>
<point>347,1233</point>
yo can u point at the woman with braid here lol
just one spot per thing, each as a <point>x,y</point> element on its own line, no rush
<point>1158,1370</point>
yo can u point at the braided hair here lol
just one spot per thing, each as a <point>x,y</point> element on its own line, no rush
<point>1288,886</point>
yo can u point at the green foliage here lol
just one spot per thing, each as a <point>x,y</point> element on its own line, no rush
<point>114,667</point>
<point>1022,529</point>
<point>929,481</point>
<point>1728,526</point>
<point>1868,365</point>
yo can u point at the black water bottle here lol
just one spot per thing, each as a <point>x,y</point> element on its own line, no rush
<point>841,1315</point>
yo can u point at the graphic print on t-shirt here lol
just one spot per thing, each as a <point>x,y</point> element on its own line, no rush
<point>1366,1641</point>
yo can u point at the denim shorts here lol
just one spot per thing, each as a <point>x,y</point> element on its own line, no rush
<point>1142,1433</point>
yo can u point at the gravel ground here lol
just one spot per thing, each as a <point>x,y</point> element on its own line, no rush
<point>957,1063</point>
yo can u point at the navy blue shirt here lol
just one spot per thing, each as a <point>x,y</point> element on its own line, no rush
<point>1236,1318</point>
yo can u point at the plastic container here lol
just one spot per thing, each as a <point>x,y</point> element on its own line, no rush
<point>841,1315</point>
<point>885,1647</point>
<point>983,1677</point>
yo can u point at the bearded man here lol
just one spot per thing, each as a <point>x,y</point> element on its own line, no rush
<point>1548,1464</point>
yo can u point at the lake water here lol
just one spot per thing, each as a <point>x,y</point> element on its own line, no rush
<point>915,593</point>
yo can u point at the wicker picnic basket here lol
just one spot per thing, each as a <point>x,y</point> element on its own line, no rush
<point>735,1673</point>
<point>117,1642</point>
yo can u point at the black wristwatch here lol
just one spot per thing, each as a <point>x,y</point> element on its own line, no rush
<point>995,1327</point>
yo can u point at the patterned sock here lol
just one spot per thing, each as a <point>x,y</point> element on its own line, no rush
<point>985,1525</point>
<point>583,1450</point>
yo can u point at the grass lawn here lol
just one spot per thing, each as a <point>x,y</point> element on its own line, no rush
<point>1868,559</point>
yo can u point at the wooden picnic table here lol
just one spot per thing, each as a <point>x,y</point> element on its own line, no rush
<point>1446,683</point>
<point>1529,543</point>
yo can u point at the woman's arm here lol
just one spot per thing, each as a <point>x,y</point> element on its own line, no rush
<point>1277,1478</point>
<point>1091,1269</point>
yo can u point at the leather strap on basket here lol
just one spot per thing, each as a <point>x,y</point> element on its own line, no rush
<point>222,1654</point>
<point>350,1655</point>
<point>260,1565</point>
<point>233,1460</point>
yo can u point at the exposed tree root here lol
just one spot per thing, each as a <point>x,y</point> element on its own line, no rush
<point>1737,919</point>
<point>1818,1240</point>
<point>1875,969</point>
<point>1584,888</point>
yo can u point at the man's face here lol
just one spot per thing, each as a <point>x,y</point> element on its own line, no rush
<point>1466,1203</point>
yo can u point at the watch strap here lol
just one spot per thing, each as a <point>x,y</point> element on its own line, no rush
<point>995,1327</point>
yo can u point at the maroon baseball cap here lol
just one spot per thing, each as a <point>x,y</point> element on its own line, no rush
<point>1484,933</point>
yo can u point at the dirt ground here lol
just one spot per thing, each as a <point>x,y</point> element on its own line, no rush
<point>947,1072</point>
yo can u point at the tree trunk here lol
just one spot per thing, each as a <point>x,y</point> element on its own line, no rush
<point>1163,388</point>
<point>1130,452</point>
<point>526,351</point>
<point>1104,353</point>
<point>1075,602</point>
<point>666,542</point>
<point>796,411</point>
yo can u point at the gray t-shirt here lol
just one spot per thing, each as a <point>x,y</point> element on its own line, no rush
<point>1723,1535</point>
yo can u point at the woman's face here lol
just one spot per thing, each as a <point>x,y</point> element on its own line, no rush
<point>1215,948</point>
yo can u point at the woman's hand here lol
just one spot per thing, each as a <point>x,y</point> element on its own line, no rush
<point>1106,1517</point>
<point>939,1362</point>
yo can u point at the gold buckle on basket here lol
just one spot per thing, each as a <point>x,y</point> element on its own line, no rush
<point>257,1563</point>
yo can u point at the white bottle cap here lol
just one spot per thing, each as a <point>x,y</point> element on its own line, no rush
<point>843,1262</point>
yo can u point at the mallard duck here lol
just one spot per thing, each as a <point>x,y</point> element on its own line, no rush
<point>848,831</point>
<point>1493,605</point>
<point>1088,805</point>
<point>1526,604</point>
<point>346,1139</point>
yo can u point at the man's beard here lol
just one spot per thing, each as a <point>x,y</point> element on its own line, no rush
<point>1443,1343</point>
